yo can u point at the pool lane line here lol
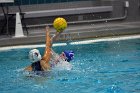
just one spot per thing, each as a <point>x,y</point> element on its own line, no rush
<point>105,39</point>
<point>116,38</point>
<point>29,46</point>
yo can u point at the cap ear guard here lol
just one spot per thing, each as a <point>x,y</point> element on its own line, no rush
<point>69,55</point>
<point>34,55</point>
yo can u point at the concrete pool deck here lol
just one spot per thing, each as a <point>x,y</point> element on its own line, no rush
<point>76,32</point>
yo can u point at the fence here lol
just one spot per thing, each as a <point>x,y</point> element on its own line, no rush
<point>30,2</point>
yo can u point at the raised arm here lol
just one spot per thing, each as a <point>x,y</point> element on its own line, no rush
<point>55,36</point>
<point>49,42</point>
<point>47,52</point>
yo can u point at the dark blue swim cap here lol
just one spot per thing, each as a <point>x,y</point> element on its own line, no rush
<point>69,55</point>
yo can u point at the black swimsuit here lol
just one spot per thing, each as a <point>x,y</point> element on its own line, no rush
<point>36,66</point>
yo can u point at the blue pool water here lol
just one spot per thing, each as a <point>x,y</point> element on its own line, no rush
<point>101,67</point>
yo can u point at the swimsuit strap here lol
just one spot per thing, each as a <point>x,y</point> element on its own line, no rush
<point>36,66</point>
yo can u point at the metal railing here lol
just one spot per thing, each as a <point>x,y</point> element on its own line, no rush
<point>30,2</point>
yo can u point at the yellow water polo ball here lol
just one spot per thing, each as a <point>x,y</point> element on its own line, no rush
<point>60,24</point>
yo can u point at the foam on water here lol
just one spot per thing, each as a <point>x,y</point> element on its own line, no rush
<point>63,65</point>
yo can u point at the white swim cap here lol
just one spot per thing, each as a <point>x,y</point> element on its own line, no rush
<point>34,55</point>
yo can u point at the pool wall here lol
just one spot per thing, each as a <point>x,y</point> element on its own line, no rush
<point>78,33</point>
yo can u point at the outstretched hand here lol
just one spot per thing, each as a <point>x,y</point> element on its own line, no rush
<point>55,36</point>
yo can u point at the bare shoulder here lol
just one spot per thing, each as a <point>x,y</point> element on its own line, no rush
<point>45,66</point>
<point>29,68</point>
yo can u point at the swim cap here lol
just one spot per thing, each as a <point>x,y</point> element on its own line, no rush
<point>69,55</point>
<point>34,55</point>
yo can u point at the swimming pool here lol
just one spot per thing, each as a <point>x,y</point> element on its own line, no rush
<point>100,67</point>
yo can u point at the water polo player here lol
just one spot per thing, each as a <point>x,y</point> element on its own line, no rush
<point>50,59</point>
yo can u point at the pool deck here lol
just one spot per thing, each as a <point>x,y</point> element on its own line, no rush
<point>76,32</point>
